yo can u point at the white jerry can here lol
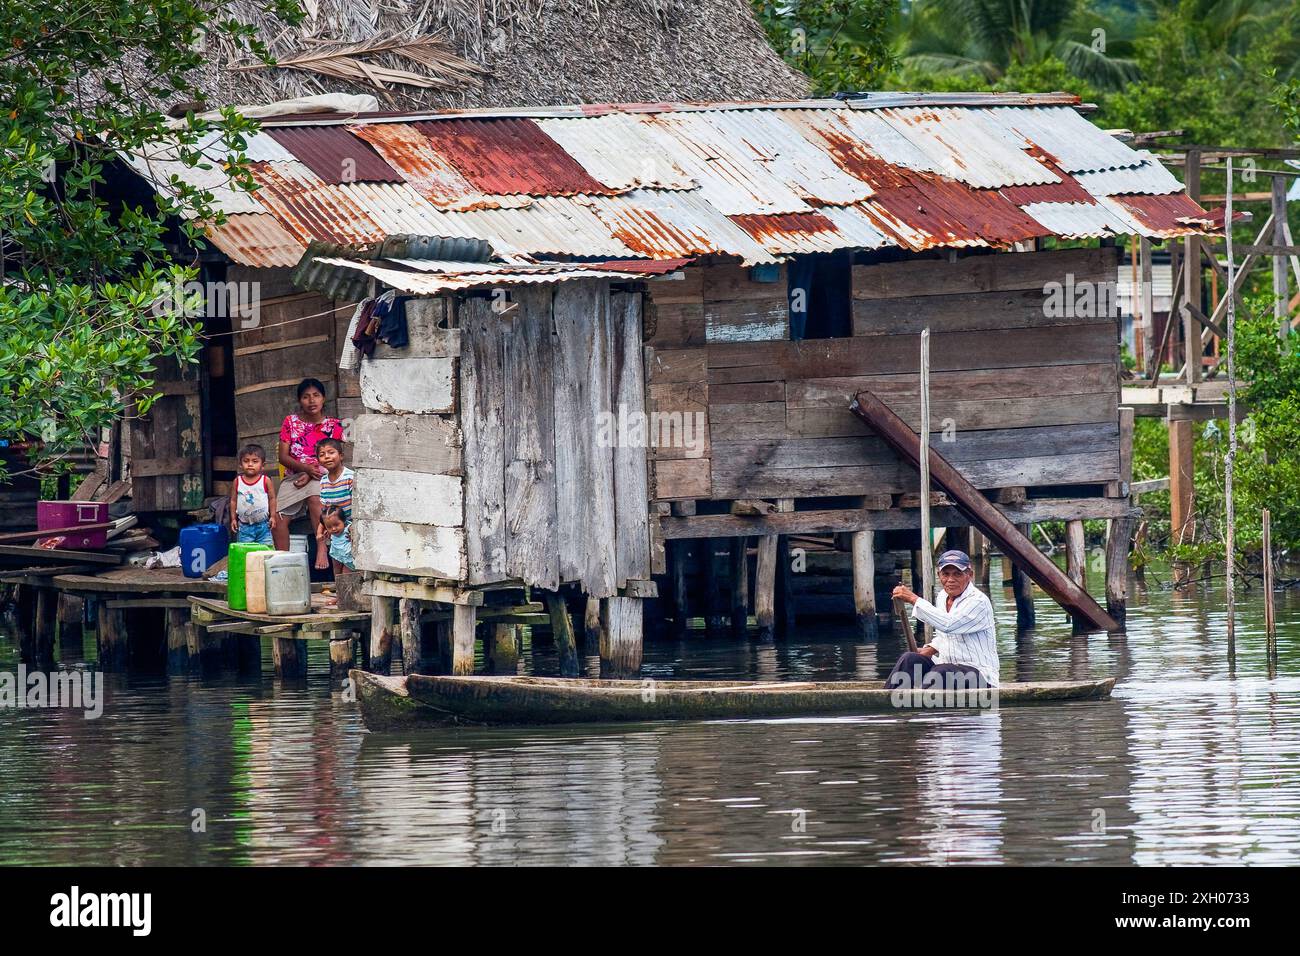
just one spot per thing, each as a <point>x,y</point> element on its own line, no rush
<point>288,583</point>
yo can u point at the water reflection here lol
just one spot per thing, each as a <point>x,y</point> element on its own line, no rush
<point>1186,765</point>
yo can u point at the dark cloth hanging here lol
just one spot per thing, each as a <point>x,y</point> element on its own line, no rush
<point>367,328</point>
<point>393,329</point>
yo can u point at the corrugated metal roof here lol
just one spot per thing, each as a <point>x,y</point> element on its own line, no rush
<point>759,181</point>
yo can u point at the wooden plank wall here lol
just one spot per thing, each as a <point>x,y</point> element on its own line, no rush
<point>166,444</point>
<point>1019,397</point>
<point>549,498</point>
<point>408,503</point>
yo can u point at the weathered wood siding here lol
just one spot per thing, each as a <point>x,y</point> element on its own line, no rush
<point>550,493</point>
<point>1018,396</point>
<point>408,505</point>
<point>167,443</point>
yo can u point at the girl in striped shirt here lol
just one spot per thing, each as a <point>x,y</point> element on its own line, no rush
<point>335,488</point>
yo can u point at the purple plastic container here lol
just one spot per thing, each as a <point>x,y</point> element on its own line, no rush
<point>67,514</point>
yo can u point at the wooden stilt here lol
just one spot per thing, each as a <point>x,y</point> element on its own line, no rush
<point>71,614</point>
<point>784,603</point>
<point>178,644</point>
<point>864,584</point>
<point>248,653</point>
<point>382,610</point>
<point>408,628</point>
<point>1076,563</point>
<point>978,549</point>
<point>464,620</point>
<point>677,554</point>
<point>290,658</point>
<point>341,654</point>
<point>1121,530</point>
<point>25,601</point>
<point>1270,608</point>
<point>739,586</point>
<point>1023,588</point>
<point>111,637</point>
<point>502,655</point>
<point>707,552</point>
<point>442,635</point>
<point>620,649</point>
<point>591,625</point>
<point>765,587</point>
<point>562,631</point>
<point>1182,495</point>
<point>45,627</point>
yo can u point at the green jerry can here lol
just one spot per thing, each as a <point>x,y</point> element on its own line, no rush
<point>236,594</point>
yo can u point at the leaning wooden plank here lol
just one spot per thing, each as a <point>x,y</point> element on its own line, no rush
<point>482,399</point>
<point>983,514</point>
<point>430,444</point>
<point>381,494</point>
<point>409,548</point>
<point>419,385</point>
<point>631,491</point>
<point>531,537</point>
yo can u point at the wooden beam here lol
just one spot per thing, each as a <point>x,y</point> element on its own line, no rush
<point>562,632</point>
<point>831,521</point>
<point>982,513</point>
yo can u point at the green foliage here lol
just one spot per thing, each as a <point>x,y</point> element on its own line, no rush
<point>842,45</point>
<point>81,324</point>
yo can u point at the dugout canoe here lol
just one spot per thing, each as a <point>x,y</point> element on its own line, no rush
<point>395,702</point>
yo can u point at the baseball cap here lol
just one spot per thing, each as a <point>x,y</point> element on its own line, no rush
<point>956,559</point>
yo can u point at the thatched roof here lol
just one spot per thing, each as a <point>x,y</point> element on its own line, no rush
<point>485,53</point>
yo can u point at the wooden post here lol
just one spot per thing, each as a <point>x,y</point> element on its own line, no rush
<point>739,586</point>
<point>464,620</point>
<point>1076,563</point>
<point>408,628</point>
<point>71,614</point>
<point>25,600</point>
<point>290,658</point>
<point>864,584</point>
<point>591,626</point>
<point>707,550</point>
<point>765,587</point>
<point>178,640</point>
<point>341,653</point>
<point>1023,588</point>
<point>1192,275</point>
<point>1281,294</point>
<point>620,648</point>
<point>44,628</point>
<point>979,557</point>
<point>783,603</point>
<point>502,655</point>
<point>562,631</point>
<point>1182,494</point>
<point>927,545</point>
<point>111,638</point>
<point>1117,542</point>
<point>677,552</point>
<point>1270,610</point>
<point>381,633</point>
<point>1148,307</point>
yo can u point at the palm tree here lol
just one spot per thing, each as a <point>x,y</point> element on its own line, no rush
<point>986,38</point>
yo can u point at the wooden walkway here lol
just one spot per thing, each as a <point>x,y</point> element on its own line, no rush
<point>289,632</point>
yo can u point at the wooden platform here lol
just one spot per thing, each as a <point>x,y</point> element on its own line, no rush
<point>138,580</point>
<point>289,632</point>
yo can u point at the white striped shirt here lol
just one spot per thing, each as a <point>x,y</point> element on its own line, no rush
<point>965,634</point>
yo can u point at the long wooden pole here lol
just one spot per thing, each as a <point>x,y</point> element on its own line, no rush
<point>981,512</point>
<point>1229,464</point>
<point>927,558</point>
<point>1270,613</point>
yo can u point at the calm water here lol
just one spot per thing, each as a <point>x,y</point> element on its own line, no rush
<point>1184,766</point>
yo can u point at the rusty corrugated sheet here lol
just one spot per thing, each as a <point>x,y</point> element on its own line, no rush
<point>509,156</point>
<point>1171,214</point>
<point>335,155</point>
<point>757,181</point>
<point>257,239</point>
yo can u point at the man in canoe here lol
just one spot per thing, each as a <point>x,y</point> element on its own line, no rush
<point>964,651</point>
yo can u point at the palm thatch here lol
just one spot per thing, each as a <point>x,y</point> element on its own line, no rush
<point>430,54</point>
